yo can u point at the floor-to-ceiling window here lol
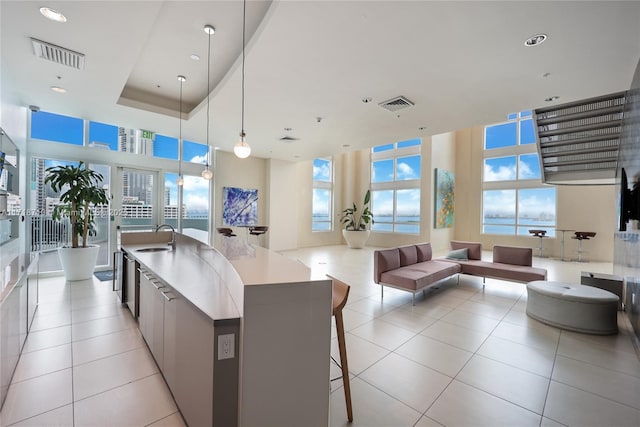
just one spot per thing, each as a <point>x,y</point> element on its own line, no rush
<point>145,193</point>
<point>395,187</point>
<point>514,200</point>
<point>322,205</point>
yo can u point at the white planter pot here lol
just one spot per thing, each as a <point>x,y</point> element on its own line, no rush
<point>356,239</point>
<point>78,263</point>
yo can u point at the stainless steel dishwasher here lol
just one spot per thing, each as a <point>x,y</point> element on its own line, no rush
<point>132,285</point>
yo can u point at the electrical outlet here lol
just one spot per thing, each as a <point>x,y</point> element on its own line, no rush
<point>226,345</point>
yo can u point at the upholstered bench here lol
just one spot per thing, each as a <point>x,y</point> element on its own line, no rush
<point>574,307</point>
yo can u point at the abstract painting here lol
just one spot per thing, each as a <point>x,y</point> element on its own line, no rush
<point>445,183</point>
<point>239,206</point>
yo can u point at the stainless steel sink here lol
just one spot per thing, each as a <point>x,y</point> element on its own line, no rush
<point>161,249</point>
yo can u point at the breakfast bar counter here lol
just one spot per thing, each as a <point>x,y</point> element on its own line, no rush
<point>256,310</point>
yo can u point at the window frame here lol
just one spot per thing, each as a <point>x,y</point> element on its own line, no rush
<point>517,184</point>
<point>326,186</point>
<point>396,184</point>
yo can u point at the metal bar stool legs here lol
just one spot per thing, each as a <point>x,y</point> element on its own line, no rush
<point>580,236</point>
<point>340,294</point>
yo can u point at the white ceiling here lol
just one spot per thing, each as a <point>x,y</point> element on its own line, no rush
<point>461,63</point>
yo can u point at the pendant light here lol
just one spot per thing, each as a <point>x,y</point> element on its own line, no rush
<point>207,173</point>
<point>180,181</point>
<point>242,149</point>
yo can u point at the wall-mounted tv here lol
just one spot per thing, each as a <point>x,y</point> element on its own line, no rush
<point>629,201</point>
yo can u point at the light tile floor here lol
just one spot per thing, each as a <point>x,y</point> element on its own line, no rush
<point>462,356</point>
<point>85,364</point>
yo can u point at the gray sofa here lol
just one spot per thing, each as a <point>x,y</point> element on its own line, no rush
<point>509,263</point>
<point>410,268</point>
<point>413,269</point>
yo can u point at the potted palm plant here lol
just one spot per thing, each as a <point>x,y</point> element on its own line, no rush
<point>81,191</point>
<point>356,223</point>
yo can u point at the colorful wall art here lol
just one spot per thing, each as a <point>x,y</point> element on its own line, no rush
<point>445,183</point>
<point>239,206</point>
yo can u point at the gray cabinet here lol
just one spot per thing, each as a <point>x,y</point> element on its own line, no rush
<point>151,318</point>
<point>188,359</point>
<point>183,342</point>
<point>13,332</point>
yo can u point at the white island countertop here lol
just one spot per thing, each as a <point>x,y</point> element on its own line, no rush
<point>212,278</point>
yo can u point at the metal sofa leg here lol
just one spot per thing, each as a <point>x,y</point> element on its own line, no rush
<point>483,282</point>
<point>413,299</point>
<point>381,292</point>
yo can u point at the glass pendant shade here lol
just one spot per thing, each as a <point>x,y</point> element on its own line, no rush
<point>207,173</point>
<point>180,181</point>
<point>242,149</point>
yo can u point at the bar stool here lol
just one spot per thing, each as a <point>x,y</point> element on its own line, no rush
<point>340,295</point>
<point>226,232</point>
<point>580,236</point>
<point>258,230</point>
<point>540,234</point>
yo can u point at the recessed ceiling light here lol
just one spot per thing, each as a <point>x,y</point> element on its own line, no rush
<point>52,14</point>
<point>346,145</point>
<point>422,128</point>
<point>535,40</point>
<point>366,100</point>
<point>195,57</point>
<point>551,98</point>
<point>545,75</point>
<point>288,129</point>
<point>58,89</point>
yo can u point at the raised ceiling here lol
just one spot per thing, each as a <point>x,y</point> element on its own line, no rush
<point>461,63</point>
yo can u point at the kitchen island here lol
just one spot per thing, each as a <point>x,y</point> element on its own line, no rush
<point>240,333</point>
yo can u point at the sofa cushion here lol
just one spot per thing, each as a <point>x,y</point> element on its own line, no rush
<point>516,273</point>
<point>417,276</point>
<point>408,255</point>
<point>513,255</point>
<point>385,260</point>
<point>474,249</point>
<point>458,254</point>
<point>424,251</point>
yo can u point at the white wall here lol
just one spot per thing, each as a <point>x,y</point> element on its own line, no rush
<point>443,152</point>
<point>284,205</point>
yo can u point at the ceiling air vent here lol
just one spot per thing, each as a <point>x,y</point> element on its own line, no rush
<point>397,103</point>
<point>288,139</point>
<point>57,54</point>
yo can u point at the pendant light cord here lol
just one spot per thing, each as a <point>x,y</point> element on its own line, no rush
<point>244,21</point>
<point>208,93</point>
<point>180,78</point>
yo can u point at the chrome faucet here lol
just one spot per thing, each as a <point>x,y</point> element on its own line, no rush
<point>172,243</point>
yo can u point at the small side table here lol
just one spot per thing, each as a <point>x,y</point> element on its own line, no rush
<point>608,282</point>
<point>562,244</point>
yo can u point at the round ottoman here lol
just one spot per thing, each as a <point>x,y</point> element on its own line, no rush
<point>574,307</point>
